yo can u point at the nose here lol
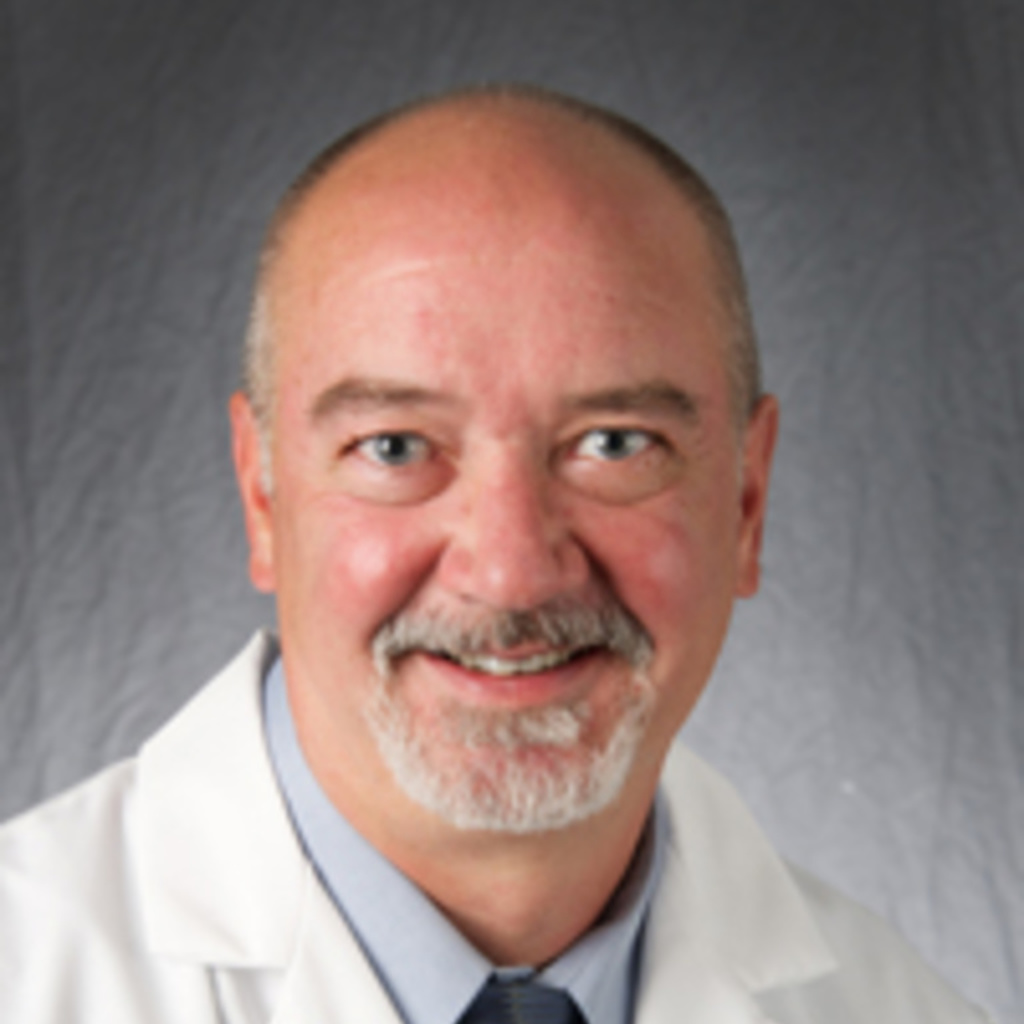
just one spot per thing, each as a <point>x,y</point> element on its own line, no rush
<point>510,543</point>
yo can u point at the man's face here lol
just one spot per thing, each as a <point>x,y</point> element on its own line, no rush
<point>502,421</point>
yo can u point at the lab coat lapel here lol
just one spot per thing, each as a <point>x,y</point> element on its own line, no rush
<point>221,874</point>
<point>727,921</point>
<point>330,978</point>
<point>224,881</point>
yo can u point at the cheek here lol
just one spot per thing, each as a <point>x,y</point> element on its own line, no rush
<point>676,578</point>
<point>360,564</point>
<point>365,562</point>
<point>675,575</point>
<point>651,567</point>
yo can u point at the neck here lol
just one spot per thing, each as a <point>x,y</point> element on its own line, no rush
<point>520,899</point>
<point>527,906</point>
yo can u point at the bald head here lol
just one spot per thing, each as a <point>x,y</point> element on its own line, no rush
<point>502,152</point>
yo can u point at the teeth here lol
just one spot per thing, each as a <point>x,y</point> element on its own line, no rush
<point>497,666</point>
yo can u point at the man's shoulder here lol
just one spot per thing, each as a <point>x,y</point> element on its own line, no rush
<point>51,852</point>
<point>809,953</point>
<point>876,967</point>
<point>67,909</point>
<point>86,833</point>
<point>81,894</point>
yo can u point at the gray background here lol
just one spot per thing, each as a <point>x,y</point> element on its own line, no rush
<point>870,701</point>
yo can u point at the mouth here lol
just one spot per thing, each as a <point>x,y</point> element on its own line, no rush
<point>541,650</point>
<point>512,665</point>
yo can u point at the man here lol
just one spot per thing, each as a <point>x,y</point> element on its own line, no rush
<point>504,459</point>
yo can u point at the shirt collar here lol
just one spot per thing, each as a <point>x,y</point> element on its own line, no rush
<point>430,970</point>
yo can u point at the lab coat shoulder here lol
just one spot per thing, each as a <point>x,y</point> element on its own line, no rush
<point>71,938</point>
<point>171,888</point>
<point>878,971</point>
<point>753,938</point>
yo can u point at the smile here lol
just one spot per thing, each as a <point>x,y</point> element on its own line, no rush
<point>496,665</point>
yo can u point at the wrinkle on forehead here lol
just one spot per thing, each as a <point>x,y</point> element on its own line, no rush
<point>433,258</point>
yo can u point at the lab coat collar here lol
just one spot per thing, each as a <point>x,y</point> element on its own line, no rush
<point>224,881</point>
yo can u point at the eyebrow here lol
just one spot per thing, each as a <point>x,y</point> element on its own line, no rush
<point>653,396</point>
<point>367,393</point>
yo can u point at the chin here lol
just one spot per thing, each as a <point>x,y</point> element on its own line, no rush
<point>516,771</point>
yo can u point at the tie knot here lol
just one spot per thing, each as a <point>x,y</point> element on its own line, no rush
<point>521,1002</point>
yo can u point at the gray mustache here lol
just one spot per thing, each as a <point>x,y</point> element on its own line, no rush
<point>565,625</point>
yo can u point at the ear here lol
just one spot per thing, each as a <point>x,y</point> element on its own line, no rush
<point>758,447</point>
<point>246,445</point>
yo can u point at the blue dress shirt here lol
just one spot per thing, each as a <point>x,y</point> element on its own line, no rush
<point>430,970</point>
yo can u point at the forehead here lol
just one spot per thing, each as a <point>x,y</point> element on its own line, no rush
<point>529,217</point>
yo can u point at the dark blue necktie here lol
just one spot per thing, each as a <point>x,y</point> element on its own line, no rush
<point>521,1002</point>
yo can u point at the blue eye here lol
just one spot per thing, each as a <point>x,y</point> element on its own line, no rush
<point>398,449</point>
<point>614,444</point>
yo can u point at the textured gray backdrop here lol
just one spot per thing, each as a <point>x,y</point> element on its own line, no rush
<point>870,702</point>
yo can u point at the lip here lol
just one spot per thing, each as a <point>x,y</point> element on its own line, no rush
<point>560,684</point>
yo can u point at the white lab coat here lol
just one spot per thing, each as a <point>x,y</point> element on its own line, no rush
<point>171,889</point>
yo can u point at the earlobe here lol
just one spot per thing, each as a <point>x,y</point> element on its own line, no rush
<point>247,449</point>
<point>758,449</point>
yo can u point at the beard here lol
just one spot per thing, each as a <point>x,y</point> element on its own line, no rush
<point>512,770</point>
